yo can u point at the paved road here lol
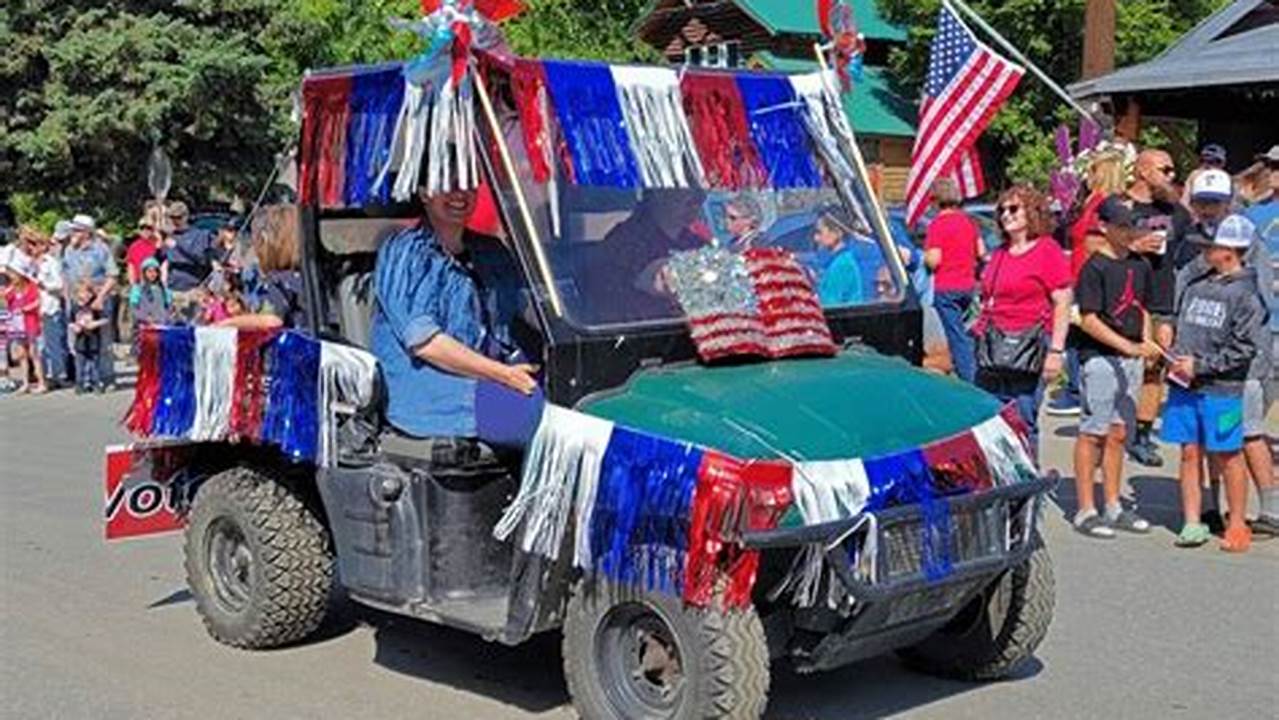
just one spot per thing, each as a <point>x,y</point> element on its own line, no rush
<point>89,630</point>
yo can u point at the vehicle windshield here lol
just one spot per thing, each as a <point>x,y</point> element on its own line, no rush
<point>605,247</point>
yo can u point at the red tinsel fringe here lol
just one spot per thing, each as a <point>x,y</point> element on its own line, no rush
<point>717,118</point>
<point>326,110</point>
<point>147,389</point>
<point>528,84</point>
<point>731,496</point>
<point>249,397</point>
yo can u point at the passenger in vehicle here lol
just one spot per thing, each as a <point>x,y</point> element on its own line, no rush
<point>276,238</point>
<point>744,220</point>
<point>632,254</point>
<point>437,326</point>
<point>840,283</point>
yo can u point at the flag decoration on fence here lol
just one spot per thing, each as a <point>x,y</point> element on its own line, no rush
<point>669,516</point>
<point>759,303</point>
<point>967,83</point>
<point>283,389</point>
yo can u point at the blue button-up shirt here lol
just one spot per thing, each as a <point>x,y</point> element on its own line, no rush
<point>93,262</point>
<point>421,291</point>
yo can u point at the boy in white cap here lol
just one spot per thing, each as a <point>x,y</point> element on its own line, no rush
<point>1216,341</point>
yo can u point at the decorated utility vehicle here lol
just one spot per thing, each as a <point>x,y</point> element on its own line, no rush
<point>731,459</point>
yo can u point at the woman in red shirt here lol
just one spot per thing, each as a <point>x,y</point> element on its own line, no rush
<point>952,247</point>
<point>1026,285</point>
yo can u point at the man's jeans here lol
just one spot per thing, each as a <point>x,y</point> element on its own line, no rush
<point>951,307</point>
<point>106,358</point>
<point>53,346</point>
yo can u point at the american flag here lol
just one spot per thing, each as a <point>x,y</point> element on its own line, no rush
<point>967,83</point>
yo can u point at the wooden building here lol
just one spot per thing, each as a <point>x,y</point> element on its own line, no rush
<point>779,35</point>
<point>1223,75</point>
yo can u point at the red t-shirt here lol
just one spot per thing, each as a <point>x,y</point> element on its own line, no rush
<point>29,298</point>
<point>140,249</point>
<point>1088,220</point>
<point>1016,290</point>
<point>955,234</point>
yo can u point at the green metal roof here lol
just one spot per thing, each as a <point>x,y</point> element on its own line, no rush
<point>873,107</point>
<point>800,17</point>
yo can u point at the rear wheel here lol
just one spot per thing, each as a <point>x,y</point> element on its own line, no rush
<point>259,561</point>
<point>631,654</point>
<point>997,630</point>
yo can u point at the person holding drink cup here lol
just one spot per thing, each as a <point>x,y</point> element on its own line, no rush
<point>1162,223</point>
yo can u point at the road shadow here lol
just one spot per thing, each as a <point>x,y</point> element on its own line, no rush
<point>177,597</point>
<point>873,688</point>
<point>1161,500</point>
<point>1154,497</point>
<point>527,676</point>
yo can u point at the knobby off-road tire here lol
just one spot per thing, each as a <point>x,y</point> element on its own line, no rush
<point>1002,627</point>
<point>258,560</point>
<point>722,657</point>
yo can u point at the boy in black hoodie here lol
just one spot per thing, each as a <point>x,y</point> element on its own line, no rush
<point>1216,341</point>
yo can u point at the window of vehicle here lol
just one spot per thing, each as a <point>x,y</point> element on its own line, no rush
<point>604,248</point>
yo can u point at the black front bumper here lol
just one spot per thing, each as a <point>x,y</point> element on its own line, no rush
<point>895,600</point>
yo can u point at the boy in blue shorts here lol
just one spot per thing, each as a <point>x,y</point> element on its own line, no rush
<point>1217,319</point>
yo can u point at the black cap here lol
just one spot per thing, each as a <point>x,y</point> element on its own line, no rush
<point>1213,152</point>
<point>1114,212</point>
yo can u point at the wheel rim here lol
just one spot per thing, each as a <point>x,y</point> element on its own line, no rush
<point>640,661</point>
<point>230,563</point>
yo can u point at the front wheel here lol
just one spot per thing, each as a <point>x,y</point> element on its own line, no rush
<point>633,654</point>
<point>998,630</point>
<point>259,561</point>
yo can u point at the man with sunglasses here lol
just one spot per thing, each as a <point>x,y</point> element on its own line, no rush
<point>1162,223</point>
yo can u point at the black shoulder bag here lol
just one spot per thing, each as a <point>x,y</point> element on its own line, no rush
<point>1020,353</point>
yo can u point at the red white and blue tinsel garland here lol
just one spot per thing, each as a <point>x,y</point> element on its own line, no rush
<point>283,389</point>
<point>368,133</point>
<point>668,516</point>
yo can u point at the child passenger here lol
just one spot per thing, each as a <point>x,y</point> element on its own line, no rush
<point>1217,319</point>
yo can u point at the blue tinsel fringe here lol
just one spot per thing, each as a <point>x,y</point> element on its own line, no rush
<point>590,116</point>
<point>905,479</point>
<point>776,122</point>
<point>175,407</point>
<point>639,528</point>
<point>375,106</point>
<point>291,419</point>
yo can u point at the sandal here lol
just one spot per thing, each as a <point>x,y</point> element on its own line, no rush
<point>1237,540</point>
<point>1094,526</point>
<point>1264,525</point>
<point>1192,535</point>
<point>1130,522</point>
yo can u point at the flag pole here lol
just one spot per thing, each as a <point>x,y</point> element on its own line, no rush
<point>963,8</point>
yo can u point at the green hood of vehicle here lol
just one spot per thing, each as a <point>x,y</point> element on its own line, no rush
<point>858,404</point>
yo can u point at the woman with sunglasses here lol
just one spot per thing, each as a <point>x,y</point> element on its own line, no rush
<point>1025,293</point>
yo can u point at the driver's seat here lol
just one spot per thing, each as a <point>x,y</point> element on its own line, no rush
<point>355,306</point>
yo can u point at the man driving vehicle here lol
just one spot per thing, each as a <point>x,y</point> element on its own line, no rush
<point>437,327</point>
